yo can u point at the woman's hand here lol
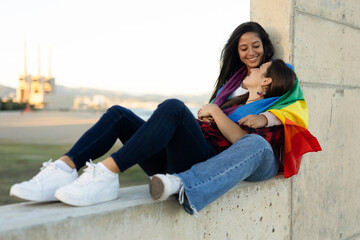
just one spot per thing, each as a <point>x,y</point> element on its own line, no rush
<point>205,113</point>
<point>254,121</point>
<point>207,119</point>
<point>231,130</point>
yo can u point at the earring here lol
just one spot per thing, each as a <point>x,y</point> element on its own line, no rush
<point>262,93</point>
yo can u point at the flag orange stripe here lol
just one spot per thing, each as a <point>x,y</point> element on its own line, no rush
<point>298,141</point>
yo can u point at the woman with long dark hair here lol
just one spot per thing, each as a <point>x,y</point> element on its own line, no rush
<point>264,152</point>
<point>172,140</point>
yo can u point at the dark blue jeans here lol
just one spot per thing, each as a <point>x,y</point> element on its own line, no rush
<point>171,141</point>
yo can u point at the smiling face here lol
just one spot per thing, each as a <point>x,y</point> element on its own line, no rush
<point>256,79</point>
<point>251,50</point>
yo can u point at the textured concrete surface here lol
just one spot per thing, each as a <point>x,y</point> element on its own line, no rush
<point>321,39</point>
<point>345,12</point>
<point>249,211</point>
<point>275,18</point>
<point>323,36</point>
<point>326,55</point>
<point>326,51</point>
<point>326,192</point>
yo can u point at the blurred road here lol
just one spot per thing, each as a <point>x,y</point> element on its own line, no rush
<point>45,127</point>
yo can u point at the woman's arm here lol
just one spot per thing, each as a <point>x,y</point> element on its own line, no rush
<point>266,119</point>
<point>231,131</point>
<point>272,120</point>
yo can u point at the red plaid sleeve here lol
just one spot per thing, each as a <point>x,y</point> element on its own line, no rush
<point>213,135</point>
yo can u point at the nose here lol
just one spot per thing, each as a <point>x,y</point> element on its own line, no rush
<point>251,51</point>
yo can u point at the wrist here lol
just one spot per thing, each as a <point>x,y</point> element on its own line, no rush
<point>265,119</point>
<point>215,110</point>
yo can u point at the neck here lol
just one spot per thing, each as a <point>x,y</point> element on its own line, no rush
<point>247,74</point>
<point>248,70</point>
<point>253,96</point>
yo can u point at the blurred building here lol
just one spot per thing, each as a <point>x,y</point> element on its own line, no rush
<point>96,102</point>
<point>33,89</point>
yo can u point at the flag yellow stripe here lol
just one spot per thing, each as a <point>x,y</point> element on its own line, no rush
<point>296,112</point>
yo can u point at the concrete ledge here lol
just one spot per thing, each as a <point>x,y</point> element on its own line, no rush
<point>249,211</point>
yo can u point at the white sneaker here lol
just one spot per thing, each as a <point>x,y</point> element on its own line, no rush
<point>163,186</point>
<point>95,185</point>
<point>42,187</point>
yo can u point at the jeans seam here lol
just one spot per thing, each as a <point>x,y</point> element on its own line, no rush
<point>226,171</point>
<point>87,146</point>
<point>120,116</point>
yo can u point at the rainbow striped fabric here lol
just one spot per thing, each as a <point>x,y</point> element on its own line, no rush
<point>291,109</point>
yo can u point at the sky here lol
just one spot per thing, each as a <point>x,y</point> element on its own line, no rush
<point>131,46</point>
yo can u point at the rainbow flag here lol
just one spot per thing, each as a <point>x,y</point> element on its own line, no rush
<point>291,109</point>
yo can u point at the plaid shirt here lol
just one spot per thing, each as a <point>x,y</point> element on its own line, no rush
<point>214,136</point>
<point>273,135</point>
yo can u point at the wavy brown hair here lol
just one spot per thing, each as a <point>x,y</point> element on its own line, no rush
<point>230,61</point>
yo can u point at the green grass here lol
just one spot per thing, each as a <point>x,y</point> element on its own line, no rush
<point>19,162</point>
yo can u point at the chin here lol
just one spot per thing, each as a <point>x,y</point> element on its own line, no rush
<point>257,63</point>
<point>254,65</point>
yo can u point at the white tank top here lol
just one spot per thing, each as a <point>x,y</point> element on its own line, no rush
<point>239,91</point>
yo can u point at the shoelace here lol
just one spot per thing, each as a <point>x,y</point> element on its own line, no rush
<point>46,169</point>
<point>182,196</point>
<point>181,193</point>
<point>88,174</point>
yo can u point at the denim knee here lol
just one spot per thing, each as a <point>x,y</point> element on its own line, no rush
<point>172,106</point>
<point>269,166</point>
<point>172,103</point>
<point>257,140</point>
<point>116,112</point>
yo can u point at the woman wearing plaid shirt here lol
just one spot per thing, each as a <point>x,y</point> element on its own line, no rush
<point>248,48</point>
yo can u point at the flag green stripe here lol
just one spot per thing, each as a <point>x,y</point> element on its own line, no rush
<point>288,98</point>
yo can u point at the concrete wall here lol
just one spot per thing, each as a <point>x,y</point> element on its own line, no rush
<point>249,211</point>
<point>321,38</point>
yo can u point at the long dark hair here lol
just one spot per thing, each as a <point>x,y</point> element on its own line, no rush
<point>283,79</point>
<point>230,61</point>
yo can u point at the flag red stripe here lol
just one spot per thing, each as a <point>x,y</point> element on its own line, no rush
<point>298,141</point>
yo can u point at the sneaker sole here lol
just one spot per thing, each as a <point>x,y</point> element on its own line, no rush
<point>32,197</point>
<point>70,200</point>
<point>156,188</point>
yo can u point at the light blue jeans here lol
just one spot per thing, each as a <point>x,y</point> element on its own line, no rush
<point>251,158</point>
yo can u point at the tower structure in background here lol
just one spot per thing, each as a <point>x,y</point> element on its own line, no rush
<point>23,91</point>
<point>32,89</point>
<point>49,80</point>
